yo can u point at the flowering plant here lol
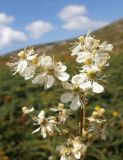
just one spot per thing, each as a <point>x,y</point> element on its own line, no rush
<point>44,70</point>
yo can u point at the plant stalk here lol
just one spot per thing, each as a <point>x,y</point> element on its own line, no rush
<point>82,120</point>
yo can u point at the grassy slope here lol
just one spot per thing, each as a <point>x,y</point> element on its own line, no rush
<point>15,131</point>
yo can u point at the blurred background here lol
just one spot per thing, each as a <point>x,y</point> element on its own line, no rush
<point>51,26</point>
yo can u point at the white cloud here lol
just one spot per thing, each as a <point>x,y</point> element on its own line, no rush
<point>75,18</point>
<point>5,19</point>
<point>83,23</point>
<point>38,28</point>
<point>9,36</point>
<point>71,11</point>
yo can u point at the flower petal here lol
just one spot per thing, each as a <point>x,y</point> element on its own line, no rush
<point>29,72</point>
<point>63,76</point>
<point>86,85</point>
<point>67,97</point>
<point>77,155</point>
<point>43,132</point>
<point>63,158</point>
<point>21,66</point>
<point>49,82</point>
<point>97,88</point>
<point>83,56</point>
<point>75,103</point>
<point>76,50</point>
<point>37,130</point>
<point>40,79</point>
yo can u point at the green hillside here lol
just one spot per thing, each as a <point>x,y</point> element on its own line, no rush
<point>16,140</point>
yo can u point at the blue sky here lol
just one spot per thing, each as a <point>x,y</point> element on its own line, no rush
<point>28,22</point>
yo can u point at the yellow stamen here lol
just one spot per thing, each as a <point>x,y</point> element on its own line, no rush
<point>88,61</point>
<point>34,60</point>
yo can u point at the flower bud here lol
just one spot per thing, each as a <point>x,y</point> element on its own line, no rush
<point>26,110</point>
<point>94,52</point>
<point>101,111</point>
<point>84,133</point>
<point>96,43</point>
<point>94,114</point>
<point>116,114</point>
<point>60,106</point>
<point>81,39</point>
<point>22,54</point>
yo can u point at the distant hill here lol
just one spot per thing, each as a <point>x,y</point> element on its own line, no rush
<point>113,33</point>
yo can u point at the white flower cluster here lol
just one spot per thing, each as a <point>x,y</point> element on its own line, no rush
<point>26,65</point>
<point>45,68</point>
<point>93,57</point>
<point>48,125</point>
<point>76,147</point>
<point>63,113</point>
<point>72,149</point>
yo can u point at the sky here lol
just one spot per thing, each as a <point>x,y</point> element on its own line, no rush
<point>29,22</point>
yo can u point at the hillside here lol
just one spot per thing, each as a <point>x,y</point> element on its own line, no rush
<point>16,139</point>
<point>112,33</point>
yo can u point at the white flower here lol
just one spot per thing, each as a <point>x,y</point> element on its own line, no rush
<point>26,110</point>
<point>72,149</point>
<point>65,152</point>
<point>91,72</point>
<point>97,116</point>
<point>79,148</point>
<point>18,67</point>
<point>63,113</point>
<point>25,60</point>
<point>101,59</point>
<point>28,72</point>
<point>81,81</point>
<point>105,47</point>
<point>79,85</point>
<point>60,72</point>
<point>90,68</point>
<point>47,125</point>
<point>44,79</point>
<point>96,120</point>
<point>46,62</point>
<point>85,43</point>
<point>50,71</point>
<point>88,42</point>
<point>84,56</point>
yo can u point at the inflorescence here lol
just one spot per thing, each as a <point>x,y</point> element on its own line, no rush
<point>93,58</point>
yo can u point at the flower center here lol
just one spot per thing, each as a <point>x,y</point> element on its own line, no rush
<point>34,60</point>
<point>88,61</point>
<point>91,74</point>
